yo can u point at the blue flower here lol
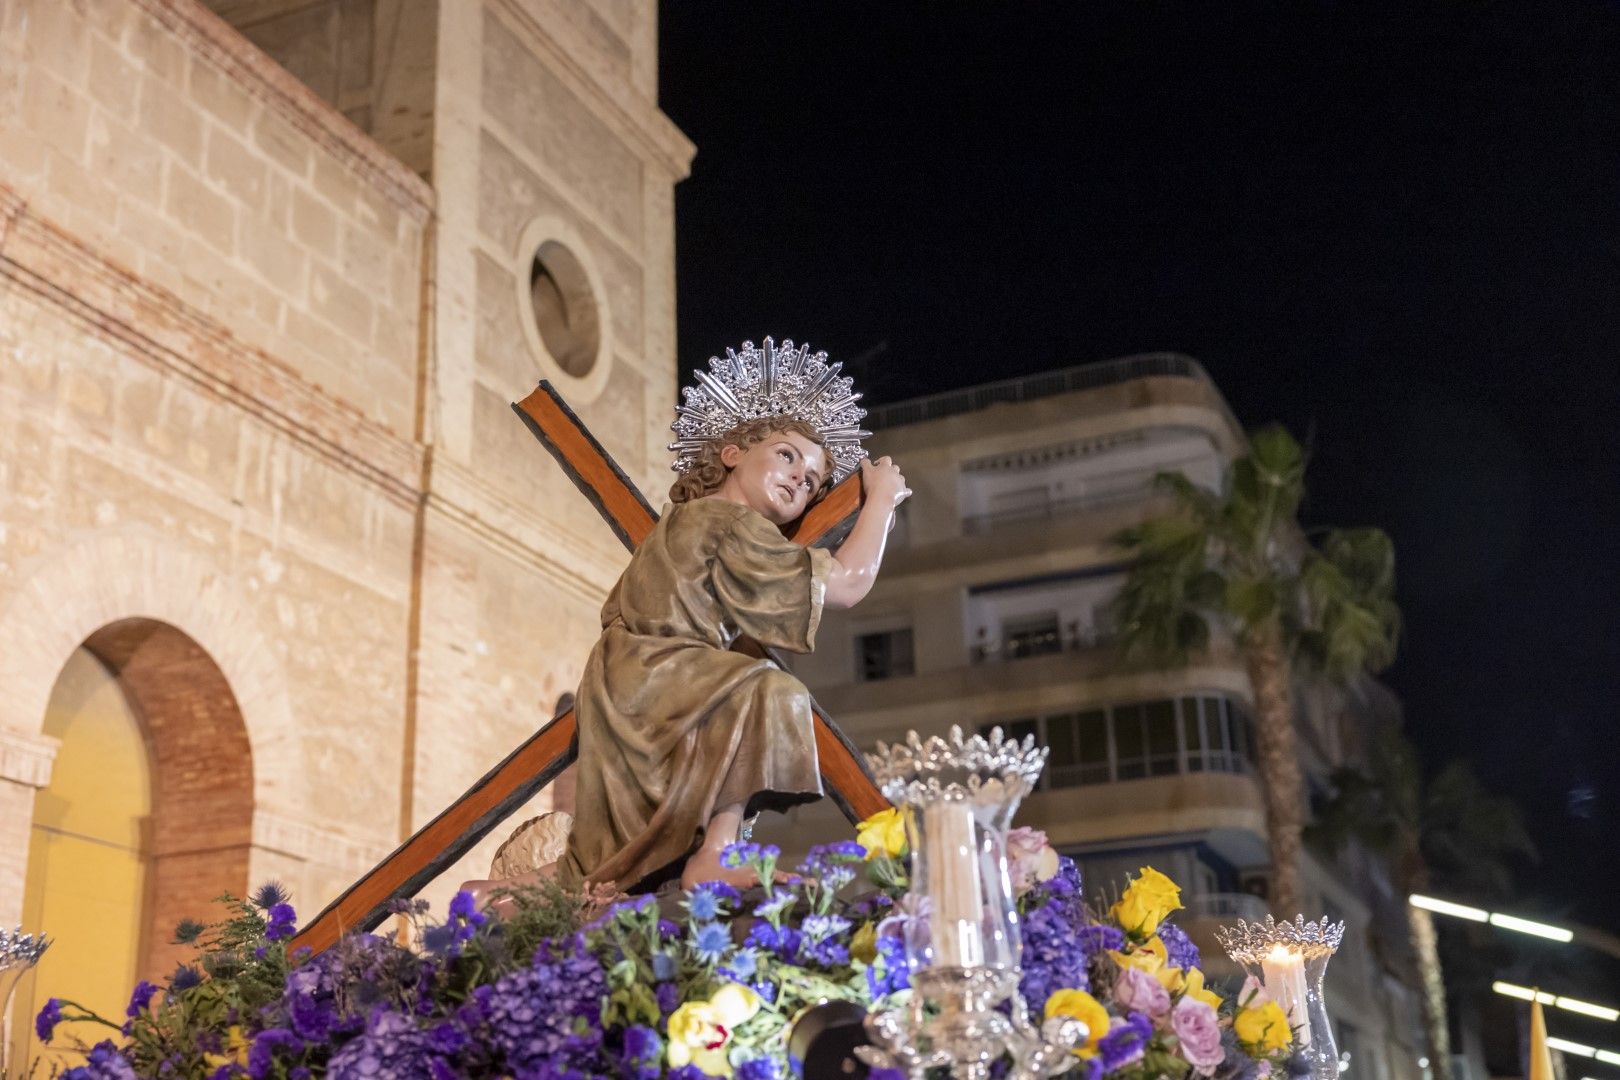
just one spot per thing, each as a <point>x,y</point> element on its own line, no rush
<point>184,978</point>
<point>270,894</point>
<point>1180,951</point>
<point>465,908</point>
<point>761,857</point>
<point>688,1072</point>
<point>783,941</point>
<point>140,999</point>
<point>891,971</point>
<point>103,1063</point>
<point>709,942</point>
<point>741,966</point>
<point>760,1068</point>
<point>45,1023</point>
<point>703,905</point>
<point>664,967</point>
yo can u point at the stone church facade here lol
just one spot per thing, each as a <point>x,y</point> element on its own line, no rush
<point>271,272</point>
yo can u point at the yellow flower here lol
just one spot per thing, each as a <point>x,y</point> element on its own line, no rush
<point>1146,902</point>
<point>863,946</point>
<point>1150,957</point>
<point>884,833</point>
<point>1193,983</point>
<point>1084,1008</point>
<point>735,1004</point>
<point>236,1050</point>
<point>698,1037</point>
<point>1263,1028</point>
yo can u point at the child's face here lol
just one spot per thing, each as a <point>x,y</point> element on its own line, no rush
<point>777,476</point>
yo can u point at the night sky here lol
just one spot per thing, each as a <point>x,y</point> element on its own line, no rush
<point>1395,229</point>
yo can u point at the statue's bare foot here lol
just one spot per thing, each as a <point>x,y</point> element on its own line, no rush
<point>484,892</point>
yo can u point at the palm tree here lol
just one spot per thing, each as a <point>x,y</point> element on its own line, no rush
<point>1449,832</point>
<point>1237,561</point>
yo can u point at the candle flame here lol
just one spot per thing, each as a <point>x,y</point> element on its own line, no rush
<point>1280,954</point>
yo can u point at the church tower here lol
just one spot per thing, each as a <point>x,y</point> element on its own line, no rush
<point>280,571</point>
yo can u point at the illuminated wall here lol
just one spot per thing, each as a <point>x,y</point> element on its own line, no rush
<point>86,864</point>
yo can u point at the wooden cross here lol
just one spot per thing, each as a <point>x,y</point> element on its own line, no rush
<point>441,842</point>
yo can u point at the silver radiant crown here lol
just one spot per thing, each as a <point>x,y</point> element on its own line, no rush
<point>972,769</point>
<point>1251,942</point>
<point>786,381</point>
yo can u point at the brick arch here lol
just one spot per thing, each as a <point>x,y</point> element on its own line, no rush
<point>110,577</point>
<point>200,833</point>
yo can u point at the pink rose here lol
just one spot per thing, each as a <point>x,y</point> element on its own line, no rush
<point>1196,1027</point>
<point>1030,859</point>
<point>1140,992</point>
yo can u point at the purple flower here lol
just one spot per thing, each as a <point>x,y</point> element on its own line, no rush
<point>463,906</point>
<point>688,1072</point>
<point>668,996</point>
<point>760,1068</point>
<point>1056,953</point>
<point>104,1063</point>
<point>821,944</point>
<point>447,1038</point>
<point>776,905</point>
<point>184,978</point>
<point>262,1054</point>
<point>140,999</point>
<point>737,856</point>
<point>392,1046</point>
<point>1199,1033</point>
<point>1178,947</point>
<point>283,922</point>
<point>1136,989</point>
<point>547,1017</point>
<point>1125,1042</point>
<point>45,1023</point>
<point>643,1053</point>
<point>270,894</point>
<point>782,941</point>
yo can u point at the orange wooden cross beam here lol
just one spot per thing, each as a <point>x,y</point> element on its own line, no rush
<point>436,846</point>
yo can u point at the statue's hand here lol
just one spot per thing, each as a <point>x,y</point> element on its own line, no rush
<point>883,483</point>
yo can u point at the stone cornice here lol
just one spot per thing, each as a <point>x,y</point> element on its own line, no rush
<point>26,759</point>
<point>301,839</point>
<point>582,564</point>
<point>210,37</point>
<point>652,132</point>
<point>163,331</point>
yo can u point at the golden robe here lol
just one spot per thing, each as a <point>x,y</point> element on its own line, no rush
<point>672,724</point>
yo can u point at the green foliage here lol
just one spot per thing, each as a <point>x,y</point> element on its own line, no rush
<point>1451,831</point>
<point>1238,562</point>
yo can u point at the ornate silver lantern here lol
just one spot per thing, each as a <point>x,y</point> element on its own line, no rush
<point>1289,960</point>
<point>962,943</point>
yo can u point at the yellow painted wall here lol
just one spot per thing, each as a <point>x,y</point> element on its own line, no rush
<point>85,859</point>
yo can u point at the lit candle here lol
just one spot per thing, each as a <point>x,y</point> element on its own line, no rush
<point>1283,971</point>
<point>953,884</point>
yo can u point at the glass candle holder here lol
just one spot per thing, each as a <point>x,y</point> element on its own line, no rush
<point>1289,961</point>
<point>958,795</point>
<point>18,953</point>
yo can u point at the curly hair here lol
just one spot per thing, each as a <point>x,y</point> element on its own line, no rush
<point>706,476</point>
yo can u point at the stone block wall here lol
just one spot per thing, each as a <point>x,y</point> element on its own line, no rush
<point>255,377</point>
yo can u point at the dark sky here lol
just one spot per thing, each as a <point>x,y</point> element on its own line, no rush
<point>1396,229</point>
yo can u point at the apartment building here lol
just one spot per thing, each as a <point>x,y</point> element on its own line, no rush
<point>992,610</point>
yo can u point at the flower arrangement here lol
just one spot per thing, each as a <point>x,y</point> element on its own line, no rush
<point>705,983</point>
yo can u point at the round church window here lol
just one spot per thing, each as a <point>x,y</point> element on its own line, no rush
<point>565,309</point>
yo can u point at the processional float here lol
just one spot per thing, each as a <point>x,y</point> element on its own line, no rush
<point>436,846</point>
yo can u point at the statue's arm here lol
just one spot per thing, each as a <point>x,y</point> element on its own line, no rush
<point>856,562</point>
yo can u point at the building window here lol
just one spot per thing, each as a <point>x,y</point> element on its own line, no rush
<point>885,655</point>
<point>1138,740</point>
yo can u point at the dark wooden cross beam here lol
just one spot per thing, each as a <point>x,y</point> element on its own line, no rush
<point>436,846</point>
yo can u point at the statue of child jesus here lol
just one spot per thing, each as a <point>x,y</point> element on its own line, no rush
<point>680,738</point>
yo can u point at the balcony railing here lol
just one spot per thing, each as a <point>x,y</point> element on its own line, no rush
<point>978,524</point>
<point>1030,387</point>
<point>1044,642</point>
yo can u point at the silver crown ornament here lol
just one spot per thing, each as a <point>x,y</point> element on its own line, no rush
<point>771,381</point>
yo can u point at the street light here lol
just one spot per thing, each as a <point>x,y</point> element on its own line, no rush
<point>1569,1004</point>
<point>1608,1057</point>
<point>1505,922</point>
